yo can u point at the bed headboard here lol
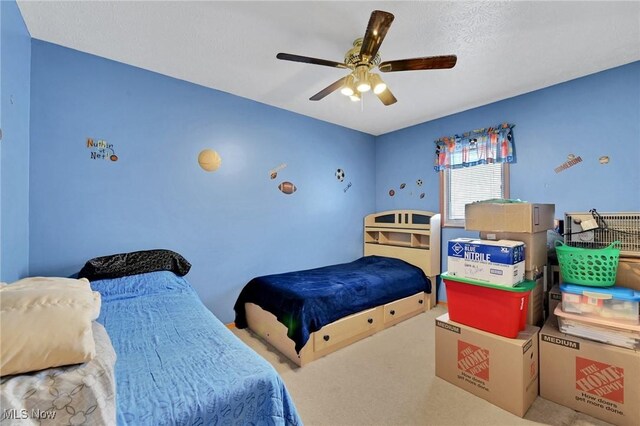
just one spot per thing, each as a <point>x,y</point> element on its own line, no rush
<point>410,235</point>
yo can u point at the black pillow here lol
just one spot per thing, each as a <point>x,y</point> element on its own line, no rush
<point>137,262</point>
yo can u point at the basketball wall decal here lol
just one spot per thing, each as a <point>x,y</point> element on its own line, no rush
<point>287,188</point>
<point>209,160</point>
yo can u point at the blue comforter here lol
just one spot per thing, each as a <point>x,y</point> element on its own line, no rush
<point>178,364</point>
<point>305,301</point>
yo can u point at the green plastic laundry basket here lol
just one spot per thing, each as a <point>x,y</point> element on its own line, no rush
<point>592,267</point>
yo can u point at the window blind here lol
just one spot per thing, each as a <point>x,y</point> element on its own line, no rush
<point>470,184</point>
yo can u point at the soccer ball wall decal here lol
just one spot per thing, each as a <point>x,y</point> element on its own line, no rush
<point>340,175</point>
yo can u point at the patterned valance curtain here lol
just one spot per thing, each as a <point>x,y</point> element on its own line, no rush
<point>482,146</point>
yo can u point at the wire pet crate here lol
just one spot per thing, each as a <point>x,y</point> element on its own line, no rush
<point>598,230</point>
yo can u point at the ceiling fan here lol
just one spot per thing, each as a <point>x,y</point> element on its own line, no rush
<point>363,57</point>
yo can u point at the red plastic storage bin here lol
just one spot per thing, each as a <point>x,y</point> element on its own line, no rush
<point>493,308</point>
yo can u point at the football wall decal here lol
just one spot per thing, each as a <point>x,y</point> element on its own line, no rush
<point>340,175</point>
<point>287,188</point>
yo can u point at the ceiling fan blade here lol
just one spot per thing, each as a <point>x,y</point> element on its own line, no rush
<point>308,60</point>
<point>387,97</point>
<point>329,89</point>
<point>416,64</point>
<point>377,28</point>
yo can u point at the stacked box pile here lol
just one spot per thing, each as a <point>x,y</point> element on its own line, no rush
<point>587,356</point>
<point>518,221</point>
<point>589,347</point>
<point>487,344</point>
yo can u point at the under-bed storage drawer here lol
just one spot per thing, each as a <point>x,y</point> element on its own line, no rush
<point>403,308</point>
<point>346,328</point>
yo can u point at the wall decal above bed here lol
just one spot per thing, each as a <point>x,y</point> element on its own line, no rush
<point>287,188</point>
<point>273,173</point>
<point>209,160</point>
<point>410,191</point>
<point>101,150</point>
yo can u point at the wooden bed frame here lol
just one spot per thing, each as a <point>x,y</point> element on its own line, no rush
<point>410,235</point>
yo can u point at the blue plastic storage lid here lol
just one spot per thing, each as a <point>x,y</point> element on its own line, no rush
<point>619,293</point>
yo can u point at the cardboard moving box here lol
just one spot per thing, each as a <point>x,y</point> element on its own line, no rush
<point>597,379</point>
<point>535,247</point>
<point>535,311</point>
<point>508,217</point>
<point>500,370</point>
<point>628,274</point>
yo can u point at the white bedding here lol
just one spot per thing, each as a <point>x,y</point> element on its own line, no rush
<point>74,394</point>
<point>46,322</point>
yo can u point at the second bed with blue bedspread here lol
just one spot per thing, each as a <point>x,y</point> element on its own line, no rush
<point>305,301</point>
<point>178,364</point>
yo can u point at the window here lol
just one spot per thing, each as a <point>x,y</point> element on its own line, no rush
<point>468,184</point>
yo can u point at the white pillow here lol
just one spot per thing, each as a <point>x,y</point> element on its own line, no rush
<point>46,322</point>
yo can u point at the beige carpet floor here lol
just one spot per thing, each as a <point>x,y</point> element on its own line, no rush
<point>389,379</point>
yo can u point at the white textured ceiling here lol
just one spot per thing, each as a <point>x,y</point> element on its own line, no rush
<point>504,48</point>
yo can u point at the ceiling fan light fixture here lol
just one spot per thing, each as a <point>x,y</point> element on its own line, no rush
<point>349,86</point>
<point>363,80</point>
<point>364,57</point>
<point>379,86</point>
<point>363,86</point>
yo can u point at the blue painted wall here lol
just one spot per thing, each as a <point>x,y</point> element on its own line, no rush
<point>15,66</point>
<point>589,117</point>
<point>233,224</point>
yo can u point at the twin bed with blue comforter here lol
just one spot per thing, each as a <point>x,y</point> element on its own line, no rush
<point>306,301</point>
<point>309,314</point>
<point>178,364</point>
